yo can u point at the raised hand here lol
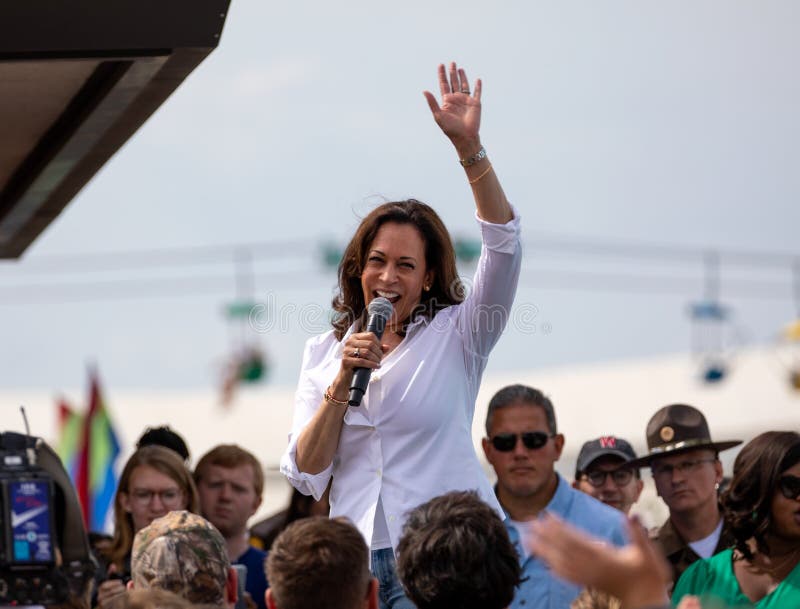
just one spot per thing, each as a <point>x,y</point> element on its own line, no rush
<point>636,574</point>
<point>459,116</point>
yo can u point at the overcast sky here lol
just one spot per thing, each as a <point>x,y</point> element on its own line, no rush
<point>668,128</point>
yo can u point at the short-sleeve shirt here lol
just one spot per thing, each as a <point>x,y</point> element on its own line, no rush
<point>540,587</point>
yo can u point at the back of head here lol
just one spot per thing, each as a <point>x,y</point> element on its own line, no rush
<point>747,501</point>
<point>319,562</point>
<point>184,554</point>
<point>166,437</point>
<point>592,598</point>
<point>455,552</point>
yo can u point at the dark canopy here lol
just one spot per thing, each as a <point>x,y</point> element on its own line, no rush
<point>77,79</point>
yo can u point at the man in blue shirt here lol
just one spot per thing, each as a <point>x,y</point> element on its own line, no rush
<point>522,444</point>
<point>230,483</point>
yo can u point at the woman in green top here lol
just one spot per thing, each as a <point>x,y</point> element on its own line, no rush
<point>762,508</point>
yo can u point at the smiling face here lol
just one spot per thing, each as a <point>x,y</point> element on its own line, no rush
<point>523,473</point>
<point>395,269</point>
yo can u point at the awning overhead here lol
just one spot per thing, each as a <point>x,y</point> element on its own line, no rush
<point>77,79</point>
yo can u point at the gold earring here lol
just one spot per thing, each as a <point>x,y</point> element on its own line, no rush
<point>426,288</point>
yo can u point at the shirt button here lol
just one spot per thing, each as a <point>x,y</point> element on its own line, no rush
<point>391,518</point>
<point>378,472</point>
<point>374,377</point>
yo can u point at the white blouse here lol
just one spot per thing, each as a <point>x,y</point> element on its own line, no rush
<point>411,438</point>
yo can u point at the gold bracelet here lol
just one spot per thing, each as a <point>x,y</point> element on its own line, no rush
<point>329,398</point>
<point>485,171</point>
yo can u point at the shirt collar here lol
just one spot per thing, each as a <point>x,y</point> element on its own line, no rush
<point>561,499</point>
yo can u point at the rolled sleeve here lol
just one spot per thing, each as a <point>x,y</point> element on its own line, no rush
<point>306,404</point>
<point>503,238</point>
<point>308,484</point>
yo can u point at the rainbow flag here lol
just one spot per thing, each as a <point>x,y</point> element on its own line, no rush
<point>70,426</point>
<point>89,449</point>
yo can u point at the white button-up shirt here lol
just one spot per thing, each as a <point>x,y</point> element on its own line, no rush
<point>410,439</point>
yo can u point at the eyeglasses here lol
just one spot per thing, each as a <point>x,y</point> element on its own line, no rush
<point>170,497</point>
<point>506,442</point>
<point>597,478</point>
<point>789,486</point>
<point>665,470</point>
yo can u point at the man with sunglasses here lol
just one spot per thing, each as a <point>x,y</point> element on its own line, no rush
<point>602,471</point>
<point>522,444</point>
<point>687,473</point>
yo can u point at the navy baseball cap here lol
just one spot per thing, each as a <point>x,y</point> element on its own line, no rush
<point>602,447</point>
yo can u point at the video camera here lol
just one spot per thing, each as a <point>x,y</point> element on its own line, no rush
<point>44,552</point>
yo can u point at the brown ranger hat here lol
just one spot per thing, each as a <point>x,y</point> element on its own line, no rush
<point>677,428</point>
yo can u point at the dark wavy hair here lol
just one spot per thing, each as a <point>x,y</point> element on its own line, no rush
<point>455,552</point>
<point>748,500</point>
<point>164,436</point>
<point>446,287</point>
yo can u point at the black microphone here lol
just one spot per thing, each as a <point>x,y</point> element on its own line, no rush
<point>380,310</point>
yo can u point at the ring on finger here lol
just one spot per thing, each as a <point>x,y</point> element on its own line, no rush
<point>465,91</point>
<point>357,352</point>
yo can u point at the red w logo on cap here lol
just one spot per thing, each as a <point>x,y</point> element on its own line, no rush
<point>608,442</point>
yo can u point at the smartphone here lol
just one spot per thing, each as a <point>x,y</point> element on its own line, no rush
<point>241,579</point>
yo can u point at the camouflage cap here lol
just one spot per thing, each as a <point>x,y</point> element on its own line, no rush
<point>183,553</point>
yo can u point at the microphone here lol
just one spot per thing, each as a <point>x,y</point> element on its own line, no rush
<point>380,310</point>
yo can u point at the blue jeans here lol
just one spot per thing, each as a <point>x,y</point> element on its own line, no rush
<point>390,591</point>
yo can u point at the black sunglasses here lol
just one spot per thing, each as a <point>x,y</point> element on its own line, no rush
<point>789,486</point>
<point>505,442</point>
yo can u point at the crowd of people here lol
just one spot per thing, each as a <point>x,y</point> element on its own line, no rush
<point>402,514</point>
<point>180,535</point>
